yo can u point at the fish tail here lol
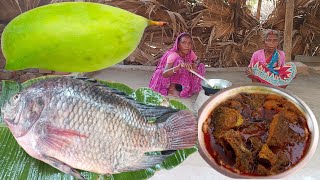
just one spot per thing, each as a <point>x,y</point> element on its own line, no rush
<point>182,131</point>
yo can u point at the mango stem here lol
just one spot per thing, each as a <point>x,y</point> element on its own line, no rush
<point>157,23</point>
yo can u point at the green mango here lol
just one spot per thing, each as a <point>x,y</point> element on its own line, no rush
<point>72,37</point>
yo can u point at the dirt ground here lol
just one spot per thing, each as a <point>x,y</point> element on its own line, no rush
<point>306,86</point>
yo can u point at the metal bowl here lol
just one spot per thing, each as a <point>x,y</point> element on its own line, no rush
<point>217,83</point>
<point>208,107</point>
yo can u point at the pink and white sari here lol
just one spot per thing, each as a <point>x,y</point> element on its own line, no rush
<point>189,82</point>
<point>266,71</point>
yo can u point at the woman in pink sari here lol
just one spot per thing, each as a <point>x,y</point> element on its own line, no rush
<point>268,65</point>
<point>172,73</point>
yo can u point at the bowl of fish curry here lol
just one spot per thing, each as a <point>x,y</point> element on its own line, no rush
<point>256,131</point>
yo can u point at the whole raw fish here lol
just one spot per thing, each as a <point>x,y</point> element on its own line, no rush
<point>73,123</point>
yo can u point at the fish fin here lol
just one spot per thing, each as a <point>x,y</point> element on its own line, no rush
<point>145,162</point>
<point>57,138</point>
<point>181,129</point>
<point>160,113</point>
<point>62,166</point>
<point>105,86</point>
<point>147,111</point>
<point>84,79</point>
<point>165,152</point>
<point>168,152</point>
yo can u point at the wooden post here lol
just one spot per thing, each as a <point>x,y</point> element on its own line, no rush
<point>288,26</point>
<point>237,7</point>
<point>259,10</point>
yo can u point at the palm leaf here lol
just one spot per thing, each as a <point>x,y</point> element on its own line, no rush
<point>17,164</point>
<point>173,23</point>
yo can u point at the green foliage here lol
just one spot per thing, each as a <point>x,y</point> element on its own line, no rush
<point>251,4</point>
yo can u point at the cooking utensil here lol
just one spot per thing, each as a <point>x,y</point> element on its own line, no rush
<point>201,77</point>
<point>218,84</point>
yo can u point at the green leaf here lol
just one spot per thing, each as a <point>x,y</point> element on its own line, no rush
<point>121,87</point>
<point>35,80</point>
<point>177,158</point>
<point>17,164</point>
<point>147,96</point>
<point>177,105</point>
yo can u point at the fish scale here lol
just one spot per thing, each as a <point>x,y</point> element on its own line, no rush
<point>81,125</point>
<point>77,124</point>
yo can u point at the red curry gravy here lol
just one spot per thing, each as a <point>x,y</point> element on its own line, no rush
<point>257,134</point>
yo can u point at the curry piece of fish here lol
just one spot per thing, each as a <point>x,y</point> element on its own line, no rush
<point>71,123</point>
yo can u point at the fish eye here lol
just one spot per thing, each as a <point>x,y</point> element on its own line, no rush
<point>16,97</point>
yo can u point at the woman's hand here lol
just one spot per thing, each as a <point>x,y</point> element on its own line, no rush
<point>249,72</point>
<point>194,66</point>
<point>186,66</point>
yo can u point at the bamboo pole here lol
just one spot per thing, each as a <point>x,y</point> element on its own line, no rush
<point>287,45</point>
<point>259,10</point>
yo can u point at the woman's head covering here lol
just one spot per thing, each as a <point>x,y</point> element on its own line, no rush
<point>188,57</point>
<point>176,43</point>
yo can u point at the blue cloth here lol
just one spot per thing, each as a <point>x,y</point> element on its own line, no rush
<point>273,61</point>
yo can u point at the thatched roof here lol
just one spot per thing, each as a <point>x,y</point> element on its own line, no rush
<point>214,26</point>
<point>306,26</point>
<point>225,33</point>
